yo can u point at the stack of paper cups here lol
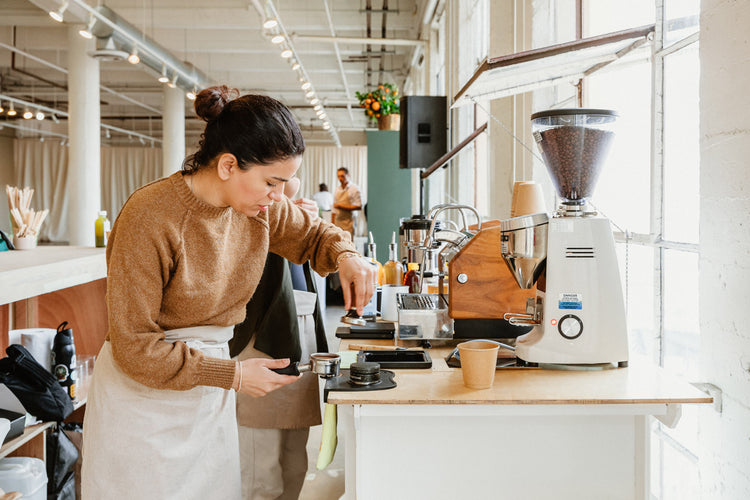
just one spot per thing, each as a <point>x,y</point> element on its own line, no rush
<point>528,198</point>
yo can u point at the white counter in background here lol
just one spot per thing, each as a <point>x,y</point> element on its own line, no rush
<point>535,434</point>
<point>45,269</point>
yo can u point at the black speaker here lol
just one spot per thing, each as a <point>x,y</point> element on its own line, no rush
<point>424,133</point>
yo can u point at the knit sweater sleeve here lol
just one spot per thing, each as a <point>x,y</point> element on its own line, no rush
<point>143,250</point>
<point>298,236</point>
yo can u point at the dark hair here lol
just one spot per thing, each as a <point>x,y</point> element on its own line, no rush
<point>323,187</point>
<point>346,170</point>
<point>256,129</point>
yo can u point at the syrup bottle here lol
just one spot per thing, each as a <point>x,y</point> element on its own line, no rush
<point>64,359</point>
<point>394,271</point>
<point>411,279</point>
<point>372,251</point>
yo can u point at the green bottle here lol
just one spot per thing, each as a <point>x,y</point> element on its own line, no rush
<point>101,229</point>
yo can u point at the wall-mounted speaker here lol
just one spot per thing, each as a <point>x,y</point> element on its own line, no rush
<point>424,130</point>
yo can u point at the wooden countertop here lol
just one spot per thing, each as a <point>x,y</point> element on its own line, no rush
<point>640,383</point>
<point>45,269</point>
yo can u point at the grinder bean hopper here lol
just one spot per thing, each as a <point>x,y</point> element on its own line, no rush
<point>578,314</point>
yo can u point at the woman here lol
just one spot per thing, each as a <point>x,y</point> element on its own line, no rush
<point>183,259</point>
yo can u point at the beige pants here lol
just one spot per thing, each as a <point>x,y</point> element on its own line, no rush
<point>273,462</point>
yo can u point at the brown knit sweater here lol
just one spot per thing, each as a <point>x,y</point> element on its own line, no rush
<point>174,261</point>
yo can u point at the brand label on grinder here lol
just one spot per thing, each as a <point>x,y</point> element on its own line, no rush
<point>570,301</point>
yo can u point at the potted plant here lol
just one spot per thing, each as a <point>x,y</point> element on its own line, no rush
<point>382,104</point>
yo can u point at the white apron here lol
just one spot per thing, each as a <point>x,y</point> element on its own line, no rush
<point>141,443</point>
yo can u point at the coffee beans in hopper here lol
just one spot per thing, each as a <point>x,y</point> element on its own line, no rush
<point>574,157</point>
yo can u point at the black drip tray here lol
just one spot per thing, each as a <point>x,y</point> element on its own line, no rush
<point>397,359</point>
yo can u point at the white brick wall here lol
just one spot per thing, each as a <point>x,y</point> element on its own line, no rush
<point>725,245</point>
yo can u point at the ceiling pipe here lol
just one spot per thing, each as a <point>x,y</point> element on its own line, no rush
<point>127,38</point>
<point>338,59</point>
<point>358,40</point>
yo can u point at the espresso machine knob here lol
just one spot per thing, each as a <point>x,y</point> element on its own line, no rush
<point>570,326</point>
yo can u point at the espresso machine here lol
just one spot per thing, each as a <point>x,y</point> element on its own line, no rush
<point>578,314</point>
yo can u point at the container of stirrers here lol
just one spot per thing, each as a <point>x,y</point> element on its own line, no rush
<point>25,220</point>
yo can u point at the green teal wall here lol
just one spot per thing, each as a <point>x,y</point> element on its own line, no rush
<point>388,189</point>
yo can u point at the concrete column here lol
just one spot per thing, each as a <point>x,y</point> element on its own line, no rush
<point>173,134</point>
<point>724,242</point>
<point>84,153</point>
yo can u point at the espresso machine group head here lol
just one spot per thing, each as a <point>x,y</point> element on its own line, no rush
<point>578,314</point>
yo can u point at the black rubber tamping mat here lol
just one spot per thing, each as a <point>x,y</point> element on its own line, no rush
<point>372,330</point>
<point>342,383</point>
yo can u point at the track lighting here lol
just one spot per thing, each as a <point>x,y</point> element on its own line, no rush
<point>277,39</point>
<point>315,101</point>
<point>57,15</point>
<point>191,94</point>
<point>310,94</point>
<point>39,116</point>
<point>270,23</point>
<point>28,115</point>
<point>163,78</point>
<point>317,107</point>
<point>326,126</point>
<point>295,66</point>
<point>86,32</point>
<point>323,116</point>
<point>173,83</point>
<point>133,58</point>
<point>11,111</point>
<point>286,53</point>
<point>306,86</point>
<point>1,107</point>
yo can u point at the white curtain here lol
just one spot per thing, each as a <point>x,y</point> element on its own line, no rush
<point>43,166</point>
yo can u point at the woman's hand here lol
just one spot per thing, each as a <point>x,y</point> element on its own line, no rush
<point>256,378</point>
<point>360,274</point>
<point>307,205</point>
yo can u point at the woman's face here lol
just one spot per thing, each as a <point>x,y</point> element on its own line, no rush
<point>252,191</point>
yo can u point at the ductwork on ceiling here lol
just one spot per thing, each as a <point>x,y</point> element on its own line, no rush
<point>118,43</point>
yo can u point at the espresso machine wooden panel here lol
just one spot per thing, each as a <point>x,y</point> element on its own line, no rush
<point>490,289</point>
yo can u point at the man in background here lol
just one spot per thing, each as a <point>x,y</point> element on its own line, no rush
<point>346,200</point>
<point>324,199</point>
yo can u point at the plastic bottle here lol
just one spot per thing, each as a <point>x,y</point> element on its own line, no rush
<point>394,271</point>
<point>372,250</point>
<point>411,279</point>
<point>101,229</point>
<point>64,359</point>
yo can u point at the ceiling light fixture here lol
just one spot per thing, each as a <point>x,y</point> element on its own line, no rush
<point>323,116</point>
<point>306,86</point>
<point>173,83</point>
<point>278,39</point>
<point>326,126</point>
<point>133,58</point>
<point>1,107</point>
<point>39,116</point>
<point>191,95</point>
<point>295,66</point>
<point>315,101</point>
<point>11,111</point>
<point>270,23</point>
<point>28,115</point>
<point>163,78</point>
<point>286,53</point>
<point>57,15</point>
<point>310,94</point>
<point>318,107</point>
<point>86,32</point>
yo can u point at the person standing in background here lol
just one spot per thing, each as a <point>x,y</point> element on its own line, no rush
<point>323,198</point>
<point>346,201</point>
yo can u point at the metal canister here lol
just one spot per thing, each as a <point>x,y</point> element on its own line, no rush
<point>411,236</point>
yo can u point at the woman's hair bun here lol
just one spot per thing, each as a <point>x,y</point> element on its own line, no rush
<point>211,101</point>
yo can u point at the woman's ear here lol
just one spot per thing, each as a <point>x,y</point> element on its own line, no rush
<point>226,164</point>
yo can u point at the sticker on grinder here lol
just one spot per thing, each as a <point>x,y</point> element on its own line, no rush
<point>570,301</point>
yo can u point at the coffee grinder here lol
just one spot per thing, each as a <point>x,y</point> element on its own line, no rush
<point>578,314</point>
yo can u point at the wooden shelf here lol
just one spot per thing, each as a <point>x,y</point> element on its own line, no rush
<point>29,444</point>
<point>29,273</point>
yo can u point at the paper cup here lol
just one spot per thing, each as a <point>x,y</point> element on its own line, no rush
<point>528,198</point>
<point>388,304</point>
<point>478,362</point>
<point>24,242</point>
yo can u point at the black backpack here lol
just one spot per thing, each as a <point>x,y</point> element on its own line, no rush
<point>34,386</point>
